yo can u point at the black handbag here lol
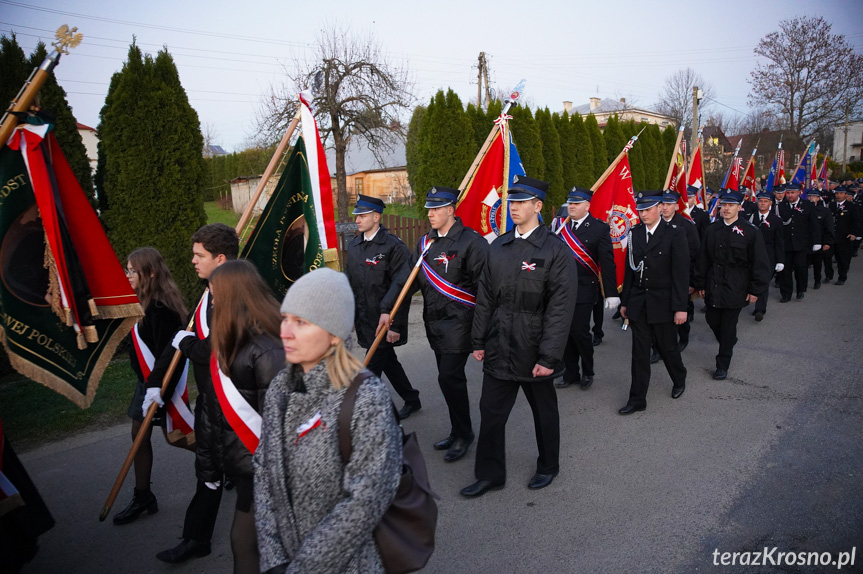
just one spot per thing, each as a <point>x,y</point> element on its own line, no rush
<point>405,534</point>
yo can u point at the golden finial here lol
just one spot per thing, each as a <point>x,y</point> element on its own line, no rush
<point>67,38</point>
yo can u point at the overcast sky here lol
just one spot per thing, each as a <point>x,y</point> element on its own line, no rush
<point>228,53</point>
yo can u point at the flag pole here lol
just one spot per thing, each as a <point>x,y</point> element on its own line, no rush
<point>66,38</point>
<point>802,157</point>
<point>673,157</point>
<point>271,167</point>
<point>380,336</point>
<point>749,163</point>
<point>731,165</point>
<point>703,173</point>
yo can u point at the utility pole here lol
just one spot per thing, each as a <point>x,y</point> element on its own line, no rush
<point>480,64</point>
<point>485,77</point>
<point>696,99</point>
<point>845,146</point>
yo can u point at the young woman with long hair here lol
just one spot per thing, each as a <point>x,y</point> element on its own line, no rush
<point>247,354</point>
<point>314,514</point>
<point>164,311</point>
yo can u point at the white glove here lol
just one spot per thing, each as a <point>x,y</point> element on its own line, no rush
<point>154,395</point>
<point>816,247</point>
<point>779,267</point>
<point>179,337</point>
<point>859,238</point>
<point>213,485</point>
<point>612,302</point>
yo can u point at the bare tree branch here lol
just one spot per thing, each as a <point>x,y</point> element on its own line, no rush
<point>675,99</point>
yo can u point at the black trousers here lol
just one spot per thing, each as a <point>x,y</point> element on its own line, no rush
<point>453,385</point>
<point>843,253</point>
<point>820,260</point>
<point>723,323</point>
<point>599,316</point>
<point>795,262</point>
<point>579,344</point>
<point>385,361</point>
<point>664,337</point>
<point>201,513</point>
<point>498,398</point>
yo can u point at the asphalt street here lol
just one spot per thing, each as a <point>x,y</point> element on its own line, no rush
<point>769,458</point>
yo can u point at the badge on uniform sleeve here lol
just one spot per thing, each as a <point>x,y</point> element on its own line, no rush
<point>737,230</point>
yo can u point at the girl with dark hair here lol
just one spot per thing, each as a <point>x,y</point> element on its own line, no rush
<point>247,354</point>
<point>163,316</point>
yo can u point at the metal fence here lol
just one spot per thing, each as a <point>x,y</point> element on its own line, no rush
<point>408,229</point>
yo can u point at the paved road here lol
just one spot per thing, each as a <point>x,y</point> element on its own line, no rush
<point>769,457</point>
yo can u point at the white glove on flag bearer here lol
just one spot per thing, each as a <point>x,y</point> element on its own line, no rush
<point>179,337</point>
<point>154,395</point>
<point>779,267</point>
<point>612,302</point>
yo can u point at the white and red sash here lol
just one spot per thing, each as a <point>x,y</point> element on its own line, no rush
<point>446,288</point>
<point>202,328</point>
<point>581,254</point>
<point>242,417</point>
<point>180,416</point>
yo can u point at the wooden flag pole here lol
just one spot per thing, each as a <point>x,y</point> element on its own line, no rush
<point>380,336</point>
<point>673,158</point>
<point>66,38</point>
<point>175,360</point>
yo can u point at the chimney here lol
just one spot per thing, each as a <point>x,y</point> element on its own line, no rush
<point>594,103</point>
<point>567,106</point>
<point>623,101</point>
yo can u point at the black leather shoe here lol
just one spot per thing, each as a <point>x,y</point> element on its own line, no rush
<point>458,449</point>
<point>840,282</point>
<point>802,295</point>
<point>597,341</point>
<point>479,488</point>
<point>563,383</point>
<point>759,316</point>
<point>142,501</point>
<point>444,444</point>
<point>538,480</point>
<point>720,374</point>
<point>654,357</point>
<point>682,345</point>
<point>408,409</point>
<point>585,383</point>
<point>817,285</point>
<point>785,300</point>
<point>676,392</point>
<point>616,314</point>
<point>629,409</point>
<point>183,551</point>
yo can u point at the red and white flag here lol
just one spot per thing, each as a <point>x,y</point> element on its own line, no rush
<point>319,174</point>
<point>614,203</point>
<point>696,173</point>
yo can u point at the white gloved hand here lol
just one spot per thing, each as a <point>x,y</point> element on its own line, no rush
<point>179,337</point>
<point>779,267</point>
<point>154,395</point>
<point>612,302</point>
<point>859,238</point>
<point>816,247</point>
<point>213,485</point>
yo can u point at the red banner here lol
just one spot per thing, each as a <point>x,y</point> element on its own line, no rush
<point>480,204</point>
<point>614,203</point>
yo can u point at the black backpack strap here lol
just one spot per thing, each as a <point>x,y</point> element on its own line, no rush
<point>346,414</point>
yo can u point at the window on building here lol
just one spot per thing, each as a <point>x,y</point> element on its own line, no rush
<point>645,119</point>
<point>358,185</point>
<point>665,123</point>
<point>760,160</point>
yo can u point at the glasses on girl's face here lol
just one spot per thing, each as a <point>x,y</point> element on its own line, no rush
<point>130,272</point>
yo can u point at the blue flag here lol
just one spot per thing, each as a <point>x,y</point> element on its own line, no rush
<point>515,168</point>
<point>771,177</point>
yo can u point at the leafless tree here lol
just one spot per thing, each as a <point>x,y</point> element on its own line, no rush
<point>208,130</point>
<point>675,99</point>
<point>811,76</point>
<point>357,90</point>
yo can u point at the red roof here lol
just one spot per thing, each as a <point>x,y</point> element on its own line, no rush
<point>83,127</point>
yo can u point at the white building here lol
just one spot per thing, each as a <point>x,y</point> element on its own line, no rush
<point>91,142</point>
<point>604,108</point>
<point>850,149</point>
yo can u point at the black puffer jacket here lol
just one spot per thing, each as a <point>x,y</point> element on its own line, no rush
<point>459,258</point>
<point>525,305</point>
<point>255,365</point>
<point>377,271</point>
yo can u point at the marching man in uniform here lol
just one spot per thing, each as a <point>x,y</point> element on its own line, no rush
<point>377,264</point>
<point>590,242</point>
<point>453,259</point>
<point>732,271</point>
<point>770,227</point>
<point>524,309</point>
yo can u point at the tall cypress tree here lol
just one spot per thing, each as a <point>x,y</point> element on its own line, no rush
<point>568,151</point>
<point>669,138</point>
<point>636,156</point>
<point>527,139</point>
<point>14,69</point>
<point>152,178</point>
<point>614,139</point>
<point>553,162</point>
<point>446,147</point>
<point>481,125</point>
<point>413,156</point>
<point>647,142</point>
<point>597,143</point>
<point>584,164</point>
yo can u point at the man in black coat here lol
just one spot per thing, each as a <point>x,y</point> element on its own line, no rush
<point>377,264</point>
<point>451,268</point>
<point>821,258</point>
<point>732,272</point>
<point>524,308</point>
<point>697,213</point>
<point>589,239</point>
<point>848,226</point>
<point>802,236</point>
<point>654,297</point>
<point>670,215</point>
<point>770,227</point>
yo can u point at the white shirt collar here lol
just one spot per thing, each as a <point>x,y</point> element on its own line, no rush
<point>367,238</point>
<point>524,235</point>
<point>580,221</point>
<point>651,230</point>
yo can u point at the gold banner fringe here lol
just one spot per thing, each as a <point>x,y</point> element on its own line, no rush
<point>90,334</point>
<point>93,309</point>
<point>57,384</point>
<point>331,258</point>
<point>54,285</point>
<point>81,340</point>
<point>120,311</point>
<point>178,439</point>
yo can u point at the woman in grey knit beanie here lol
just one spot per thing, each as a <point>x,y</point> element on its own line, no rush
<point>314,514</point>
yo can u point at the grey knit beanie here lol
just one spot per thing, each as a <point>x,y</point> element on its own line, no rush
<point>323,297</point>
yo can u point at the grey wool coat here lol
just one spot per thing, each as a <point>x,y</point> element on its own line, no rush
<point>313,513</point>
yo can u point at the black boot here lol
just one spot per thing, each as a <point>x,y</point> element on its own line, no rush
<point>143,500</point>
